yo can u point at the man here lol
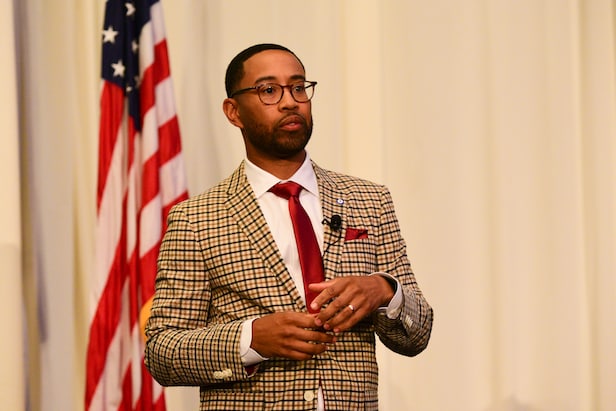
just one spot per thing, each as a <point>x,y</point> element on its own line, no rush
<point>236,311</point>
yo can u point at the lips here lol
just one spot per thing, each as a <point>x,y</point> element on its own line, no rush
<point>292,122</point>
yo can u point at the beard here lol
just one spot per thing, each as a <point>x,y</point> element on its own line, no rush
<point>276,142</point>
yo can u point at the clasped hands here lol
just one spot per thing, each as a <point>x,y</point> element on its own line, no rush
<point>300,335</point>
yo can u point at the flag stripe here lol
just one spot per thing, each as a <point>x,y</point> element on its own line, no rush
<point>171,181</point>
<point>149,275</point>
<point>104,396</point>
<point>112,105</point>
<point>161,69</point>
<point>109,224</point>
<point>156,17</point>
<point>150,233</point>
<point>164,111</point>
<point>169,146</point>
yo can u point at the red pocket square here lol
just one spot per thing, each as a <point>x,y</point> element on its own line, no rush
<point>355,234</point>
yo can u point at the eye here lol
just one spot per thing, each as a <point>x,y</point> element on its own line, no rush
<point>299,87</point>
<point>268,89</point>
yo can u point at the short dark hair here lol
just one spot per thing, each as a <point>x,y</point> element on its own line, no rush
<point>235,69</point>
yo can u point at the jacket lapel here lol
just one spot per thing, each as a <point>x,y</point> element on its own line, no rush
<point>333,202</point>
<point>245,210</point>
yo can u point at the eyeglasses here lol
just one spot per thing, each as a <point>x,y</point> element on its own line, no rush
<point>271,93</point>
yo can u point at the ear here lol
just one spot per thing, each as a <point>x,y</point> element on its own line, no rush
<point>231,110</point>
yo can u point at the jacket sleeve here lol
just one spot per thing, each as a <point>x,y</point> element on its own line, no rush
<point>182,347</point>
<point>410,332</point>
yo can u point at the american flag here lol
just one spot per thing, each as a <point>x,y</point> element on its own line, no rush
<point>140,176</point>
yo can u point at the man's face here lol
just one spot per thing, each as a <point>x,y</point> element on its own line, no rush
<point>277,131</point>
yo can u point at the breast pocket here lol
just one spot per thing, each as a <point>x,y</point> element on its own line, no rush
<point>359,254</point>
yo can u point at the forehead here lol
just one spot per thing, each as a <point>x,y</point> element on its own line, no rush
<point>270,65</point>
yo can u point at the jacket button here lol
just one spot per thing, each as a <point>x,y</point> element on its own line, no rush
<point>309,395</point>
<point>221,375</point>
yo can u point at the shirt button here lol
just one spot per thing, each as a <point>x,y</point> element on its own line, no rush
<point>309,395</point>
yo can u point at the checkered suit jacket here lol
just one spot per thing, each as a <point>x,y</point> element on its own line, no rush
<point>219,266</point>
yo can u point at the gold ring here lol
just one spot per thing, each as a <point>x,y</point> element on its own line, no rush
<point>351,307</point>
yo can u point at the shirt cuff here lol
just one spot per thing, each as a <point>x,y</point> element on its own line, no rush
<point>393,309</point>
<point>248,355</point>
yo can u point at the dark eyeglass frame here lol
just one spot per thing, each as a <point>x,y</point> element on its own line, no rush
<point>305,83</point>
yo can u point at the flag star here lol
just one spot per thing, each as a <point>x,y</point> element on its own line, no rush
<point>118,69</point>
<point>109,35</point>
<point>130,9</point>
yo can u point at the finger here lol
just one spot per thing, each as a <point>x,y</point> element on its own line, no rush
<point>320,286</point>
<point>299,320</point>
<point>306,345</point>
<point>315,336</point>
<point>344,319</point>
<point>302,351</point>
<point>327,291</point>
<point>303,320</point>
<point>336,312</point>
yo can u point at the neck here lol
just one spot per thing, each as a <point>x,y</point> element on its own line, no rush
<point>282,168</point>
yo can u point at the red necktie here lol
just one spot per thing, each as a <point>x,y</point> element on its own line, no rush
<point>310,258</point>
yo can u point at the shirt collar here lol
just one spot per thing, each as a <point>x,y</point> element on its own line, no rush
<point>261,181</point>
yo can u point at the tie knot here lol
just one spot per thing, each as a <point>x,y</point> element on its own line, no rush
<point>287,190</point>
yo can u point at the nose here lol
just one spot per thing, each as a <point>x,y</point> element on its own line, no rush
<point>287,100</point>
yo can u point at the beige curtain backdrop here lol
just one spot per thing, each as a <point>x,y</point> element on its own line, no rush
<point>493,122</point>
<point>12,391</point>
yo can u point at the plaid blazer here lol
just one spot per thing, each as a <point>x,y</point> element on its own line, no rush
<point>219,266</point>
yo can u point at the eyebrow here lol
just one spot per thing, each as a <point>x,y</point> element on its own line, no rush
<point>264,79</point>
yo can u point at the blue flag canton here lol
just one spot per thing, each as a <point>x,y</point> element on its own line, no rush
<point>124,22</point>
